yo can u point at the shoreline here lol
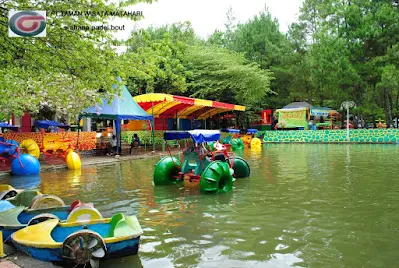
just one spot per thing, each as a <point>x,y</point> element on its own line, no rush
<point>98,160</point>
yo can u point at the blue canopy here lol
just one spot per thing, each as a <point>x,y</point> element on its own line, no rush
<point>123,107</point>
<point>252,130</point>
<point>230,130</point>
<point>319,111</point>
<point>47,123</point>
<point>5,125</point>
<point>198,135</point>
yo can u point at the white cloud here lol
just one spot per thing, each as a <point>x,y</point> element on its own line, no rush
<point>208,15</point>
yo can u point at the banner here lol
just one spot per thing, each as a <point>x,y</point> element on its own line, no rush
<point>292,119</point>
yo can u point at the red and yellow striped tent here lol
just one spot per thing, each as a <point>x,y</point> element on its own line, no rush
<point>170,106</point>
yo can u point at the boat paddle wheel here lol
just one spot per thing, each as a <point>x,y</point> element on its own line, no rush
<point>83,247</point>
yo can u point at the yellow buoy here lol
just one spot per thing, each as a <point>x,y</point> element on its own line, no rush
<point>256,143</point>
<point>31,147</point>
<point>73,161</point>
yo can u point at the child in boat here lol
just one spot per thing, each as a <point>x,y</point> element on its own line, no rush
<point>219,152</point>
<point>191,147</point>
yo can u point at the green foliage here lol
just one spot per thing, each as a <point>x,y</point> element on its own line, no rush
<point>220,74</point>
<point>63,70</point>
<point>351,44</point>
<point>155,59</point>
<point>172,60</point>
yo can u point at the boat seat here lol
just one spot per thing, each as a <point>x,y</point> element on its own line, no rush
<point>120,225</point>
<point>84,213</point>
<point>192,162</point>
<point>25,198</point>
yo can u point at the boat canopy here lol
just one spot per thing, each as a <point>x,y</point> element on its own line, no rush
<point>171,106</point>
<point>230,130</point>
<point>198,135</point>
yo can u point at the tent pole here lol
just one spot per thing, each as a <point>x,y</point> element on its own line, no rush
<point>153,126</point>
<point>118,134</point>
<point>77,140</point>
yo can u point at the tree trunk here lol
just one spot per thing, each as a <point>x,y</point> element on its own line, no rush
<point>388,107</point>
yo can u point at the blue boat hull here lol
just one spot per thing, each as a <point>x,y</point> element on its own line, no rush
<point>114,250</point>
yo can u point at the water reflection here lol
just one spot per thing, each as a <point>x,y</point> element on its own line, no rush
<point>25,182</point>
<point>296,209</point>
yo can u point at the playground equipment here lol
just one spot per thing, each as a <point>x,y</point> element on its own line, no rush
<point>55,146</point>
<point>214,173</point>
<point>80,243</point>
<point>31,147</point>
<point>22,164</point>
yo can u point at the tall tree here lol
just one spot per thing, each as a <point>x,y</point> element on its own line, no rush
<point>222,75</point>
<point>67,68</point>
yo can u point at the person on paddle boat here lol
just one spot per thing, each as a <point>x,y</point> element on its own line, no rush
<point>191,147</point>
<point>219,153</point>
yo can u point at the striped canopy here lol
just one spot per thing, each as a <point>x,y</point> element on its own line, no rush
<point>170,106</point>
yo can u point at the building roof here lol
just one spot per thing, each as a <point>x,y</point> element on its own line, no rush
<point>298,104</point>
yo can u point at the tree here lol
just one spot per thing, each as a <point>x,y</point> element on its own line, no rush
<point>155,59</point>
<point>260,41</point>
<point>222,75</point>
<point>349,43</point>
<point>67,68</point>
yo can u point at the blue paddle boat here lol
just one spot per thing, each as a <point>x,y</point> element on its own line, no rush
<point>80,243</point>
<point>18,213</point>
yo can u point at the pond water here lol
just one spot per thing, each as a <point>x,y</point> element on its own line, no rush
<point>306,205</point>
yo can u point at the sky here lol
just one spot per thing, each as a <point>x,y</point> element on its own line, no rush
<point>208,15</point>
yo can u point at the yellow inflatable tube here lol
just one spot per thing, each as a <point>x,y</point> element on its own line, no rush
<point>256,143</point>
<point>73,160</point>
<point>31,147</point>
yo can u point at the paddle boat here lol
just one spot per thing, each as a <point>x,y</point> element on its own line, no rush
<point>32,207</point>
<point>236,143</point>
<point>7,191</point>
<point>79,243</point>
<point>249,135</point>
<point>214,173</point>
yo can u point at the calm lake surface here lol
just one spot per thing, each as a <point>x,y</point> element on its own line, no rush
<point>306,205</point>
